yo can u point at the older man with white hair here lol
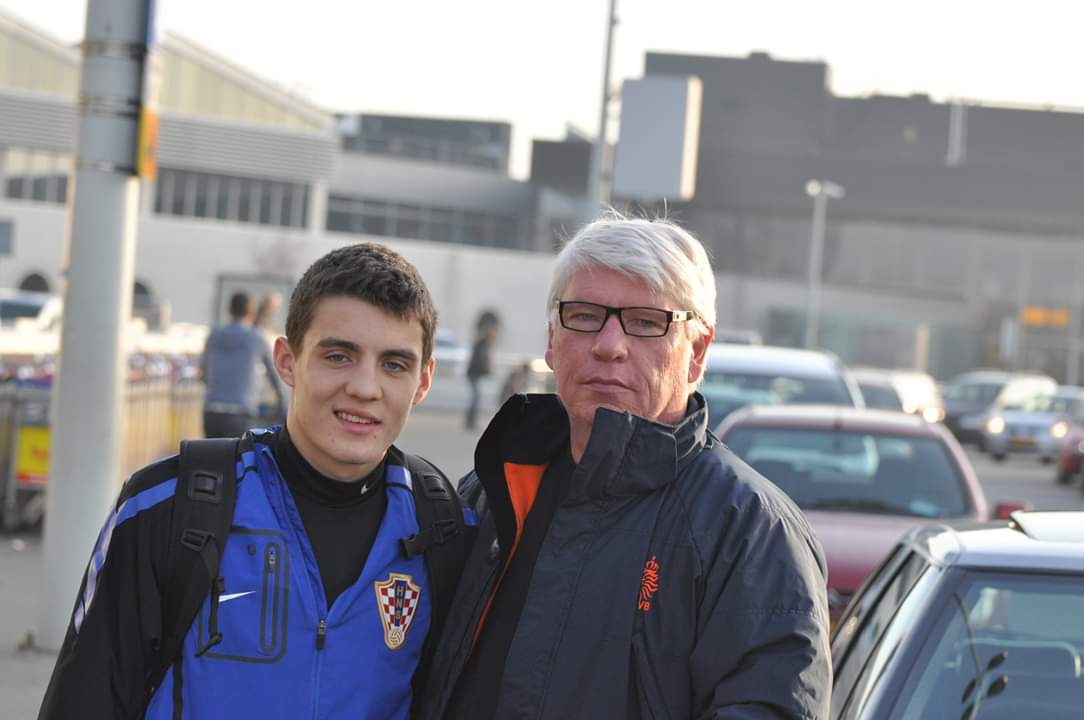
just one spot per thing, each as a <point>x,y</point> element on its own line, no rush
<point>628,565</point>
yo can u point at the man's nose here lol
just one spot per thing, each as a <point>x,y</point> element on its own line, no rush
<point>611,342</point>
<point>363,382</point>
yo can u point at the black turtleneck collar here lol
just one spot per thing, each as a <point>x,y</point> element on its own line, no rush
<point>303,479</point>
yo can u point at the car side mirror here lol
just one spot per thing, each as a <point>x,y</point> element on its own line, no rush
<point>1006,508</point>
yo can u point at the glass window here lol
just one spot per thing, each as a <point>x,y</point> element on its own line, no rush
<point>913,587</point>
<point>176,200</point>
<point>410,221</point>
<point>880,396</point>
<point>339,220</point>
<point>728,391</point>
<point>201,189</point>
<point>1010,645</point>
<point>853,471</point>
<point>868,628</point>
<point>248,200</point>
<point>268,206</point>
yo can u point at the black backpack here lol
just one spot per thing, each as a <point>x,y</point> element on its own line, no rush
<point>203,509</point>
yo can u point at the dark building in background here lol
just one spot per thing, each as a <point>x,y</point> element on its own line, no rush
<point>471,143</point>
<point>957,217</point>
<point>562,165</point>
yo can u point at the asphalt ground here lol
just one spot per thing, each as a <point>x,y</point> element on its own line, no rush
<point>438,434</point>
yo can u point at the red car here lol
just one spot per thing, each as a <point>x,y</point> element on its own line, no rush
<point>1071,452</point>
<point>863,478</point>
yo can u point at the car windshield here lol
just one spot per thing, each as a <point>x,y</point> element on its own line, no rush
<point>974,392</point>
<point>1011,647</point>
<point>728,391</point>
<point>880,396</point>
<point>854,471</point>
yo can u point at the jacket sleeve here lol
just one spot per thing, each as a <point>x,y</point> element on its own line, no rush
<point>105,656</point>
<point>762,644</point>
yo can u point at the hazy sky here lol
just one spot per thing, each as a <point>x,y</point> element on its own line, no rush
<point>539,64</point>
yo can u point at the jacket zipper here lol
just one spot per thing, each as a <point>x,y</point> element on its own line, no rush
<point>321,634</point>
<point>269,615</point>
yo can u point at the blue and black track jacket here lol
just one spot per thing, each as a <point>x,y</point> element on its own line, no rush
<point>284,652</point>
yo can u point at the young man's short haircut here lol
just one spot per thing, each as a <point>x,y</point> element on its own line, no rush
<point>240,303</point>
<point>368,272</point>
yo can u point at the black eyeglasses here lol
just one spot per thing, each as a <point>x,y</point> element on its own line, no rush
<point>588,317</point>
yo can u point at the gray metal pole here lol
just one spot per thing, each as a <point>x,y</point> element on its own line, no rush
<point>85,471</point>
<point>816,260</point>
<point>598,183</point>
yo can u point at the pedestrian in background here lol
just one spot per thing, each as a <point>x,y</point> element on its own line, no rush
<point>272,406</point>
<point>230,366</point>
<point>481,362</point>
<point>628,565</point>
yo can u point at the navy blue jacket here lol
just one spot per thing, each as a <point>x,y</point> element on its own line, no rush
<point>674,581</point>
<point>285,653</point>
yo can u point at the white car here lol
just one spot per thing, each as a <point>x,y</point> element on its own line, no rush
<point>740,375</point>
<point>451,355</point>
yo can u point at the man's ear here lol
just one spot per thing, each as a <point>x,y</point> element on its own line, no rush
<point>284,360</point>
<point>426,381</point>
<point>700,355</point>
<point>549,345</point>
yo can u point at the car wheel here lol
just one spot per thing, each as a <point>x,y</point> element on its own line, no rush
<point>1046,459</point>
<point>998,456</point>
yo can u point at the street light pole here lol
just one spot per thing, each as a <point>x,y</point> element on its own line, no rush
<point>598,184</point>
<point>820,191</point>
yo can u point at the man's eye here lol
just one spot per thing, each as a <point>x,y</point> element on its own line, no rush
<point>585,316</point>
<point>646,322</point>
<point>337,358</point>
<point>394,365</point>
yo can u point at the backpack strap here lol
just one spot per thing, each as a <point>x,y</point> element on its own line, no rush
<point>202,515</point>
<point>444,537</point>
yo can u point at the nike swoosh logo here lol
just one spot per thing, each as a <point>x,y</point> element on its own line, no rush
<point>233,596</point>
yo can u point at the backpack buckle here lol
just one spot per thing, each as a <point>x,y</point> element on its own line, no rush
<point>196,539</point>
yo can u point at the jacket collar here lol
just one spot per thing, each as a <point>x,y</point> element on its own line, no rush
<point>625,455</point>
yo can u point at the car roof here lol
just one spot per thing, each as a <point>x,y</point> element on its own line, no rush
<point>771,359</point>
<point>835,417</point>
<point>1051,541</point>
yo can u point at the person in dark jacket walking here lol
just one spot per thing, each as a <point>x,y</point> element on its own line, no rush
<point>628,565</point>
<point>481,362</point>
<point>325,596</point>
<point>230,364</point>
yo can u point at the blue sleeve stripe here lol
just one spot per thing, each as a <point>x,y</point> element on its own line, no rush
<point>470,517</point>
<point>127,510</point>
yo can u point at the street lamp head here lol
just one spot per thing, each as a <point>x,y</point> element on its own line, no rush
<point>815,188</point>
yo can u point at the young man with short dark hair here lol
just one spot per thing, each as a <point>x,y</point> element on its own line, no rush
<point>322,608</point>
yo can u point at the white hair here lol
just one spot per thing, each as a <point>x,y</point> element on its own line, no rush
<point>665,256</point>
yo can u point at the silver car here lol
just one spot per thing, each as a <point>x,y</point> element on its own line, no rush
<point>1036,425</point>
<point>976,622</point>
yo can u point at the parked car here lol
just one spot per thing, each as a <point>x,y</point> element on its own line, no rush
<point>736,336</point>
<point>740,375</point>
<point>1037,425</point>
<point>970,397</point>
<point>1071,451</point>
<point>451,355</point>
<point>980,622</point>
<point>909,391</point>
<point>863,477</point>
<point>26,307</point>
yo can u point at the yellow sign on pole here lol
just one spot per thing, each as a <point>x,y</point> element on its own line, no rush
<point>32,456</point>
